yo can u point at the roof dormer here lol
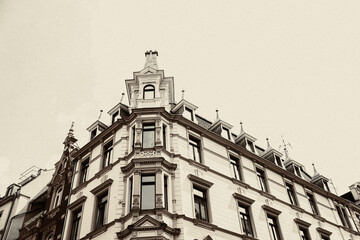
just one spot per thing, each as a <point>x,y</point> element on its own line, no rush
<point>294,167</point>
<point>96,128</point>
<point>186,109</point>
<point>118,111</point>
<point>221,127</point>
<point>272,155</point>
<point>320,181</point>
<point>245,140</point>
<point>149,87</point>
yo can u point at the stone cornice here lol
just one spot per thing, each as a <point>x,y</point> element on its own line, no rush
<point>163,163</point>
<point>243,199</point>
<point>302,223</point>
<point>200,181</point>
<point>101,187</point>
<point>271,210</point>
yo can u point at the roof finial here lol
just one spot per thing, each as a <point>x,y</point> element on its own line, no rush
<point>241,127</point>
<point>217,114</point>
<point>151,59</point>
<point>315,172</point>
<point>100,114</point>
<point>182,94</point>
<point>122,96</point>
<point>268,143</point>
<point>71,130</point>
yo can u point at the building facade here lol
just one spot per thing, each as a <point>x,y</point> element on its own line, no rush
<point>158,170</point>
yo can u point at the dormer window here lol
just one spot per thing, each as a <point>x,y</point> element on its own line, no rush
<point>113,118</point>
<point>93,133</point>
<point>149,92</point>
<point>225,133</point>
<point>278,161</point>
<point>250,144</point>
<point>188,113</point>
<point>297,171</point>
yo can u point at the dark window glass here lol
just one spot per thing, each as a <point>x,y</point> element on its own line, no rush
<point>133,137</point>
<point>200,204</point>
<point>225,133</point>
<point>312,203</point>
<point>164,135</point>
<point>114,116</point>
<point>261,178</point>
<point>245,220</point>
<point>102,201</point>
<point>251,145</point>
<point>148,135</point>
<point>188,113</point>
<point>343,216</point>
<point>235,167</point>
<point>274,228</point>
<point>108,148</point>
<point>195,149</point>
<point>166,192</point>
<point>130,192</point>
<point>278,161</point>
<point>291,193</point>
<point>148,192</point>
<point>57,199</point>
<point>304,234</point>
<point>297,171</point>
<point>324,237</point>
<point>83,170</point>
<point>326,186</point>
<point>75,225</point>
<point>149,92</point>
<point>93,133</point>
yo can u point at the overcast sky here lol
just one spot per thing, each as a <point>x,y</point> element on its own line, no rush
<point>288,68</point>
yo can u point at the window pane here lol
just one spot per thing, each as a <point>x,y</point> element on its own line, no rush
<point>148,197</point>
<point>150,178</point>
<point>188,113</point>
<point>148,135</point>
<point>149,92</point>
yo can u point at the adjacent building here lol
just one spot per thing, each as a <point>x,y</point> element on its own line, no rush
<point>158,170</point>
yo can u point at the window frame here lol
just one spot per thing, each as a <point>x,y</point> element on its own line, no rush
<point>107,153</point>
<point>166,192</point>
<point>57,197</point>
<point>235,167</point>
<point>201,201</point>
<point>152,128</point>
<point>189,112</point>
<point>312,202</point>
<point>164,135</point>
<point>195,143</point>
<point>261,175</point>
<point>100,196</point>
<point>291,192</point>
<point>78,210</point>
<point>226,134</point>
<point>344,216</point>
<point>142,195</point>
<point>245,203</point>
<point>82,176</point>
<point>275,225</point>
<point>148,89</point>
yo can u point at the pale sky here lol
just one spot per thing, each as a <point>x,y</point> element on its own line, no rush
<point>286,68</point>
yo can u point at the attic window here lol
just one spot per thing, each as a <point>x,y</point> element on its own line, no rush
<point>188,113</point>
<point>278,161</point>
<point>297,171</point>
<point>149,92</point>
<point>251,145</point>
<point>114,116</point>
<point>93,133</point>
<point>225,133</point>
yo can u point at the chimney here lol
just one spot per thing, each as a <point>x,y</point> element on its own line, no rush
<point>151,59</point>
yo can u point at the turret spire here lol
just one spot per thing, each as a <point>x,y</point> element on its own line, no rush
<point>151,59</point>
<point>268,143</point>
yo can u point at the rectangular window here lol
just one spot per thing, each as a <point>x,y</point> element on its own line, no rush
<point>164,136</point>
<point>297,171</point>
<point>130,192</point>
<point>312,203</point>
<point>251,146</point>
<point>84,170</point>
<point>278,161</point>
<point>245,220</point>
<point>133,137</point>
<point>166,192</point>
<point>188,113</point>
<point>102,201</point>
<point>234,161</point>
<point>201,211</point>
<point>113,119</point>
<point>93,134</point>
<point>343,216</point>
<point>107,154</point>
<point>194,144</point>
<point>291,193</point>
<point>75,224</point>
<point>261,179</point>
<point>304,233</point>
<point>148,192</point>
<point>148,135</point>
<point>274,227</point>
<point>225,133</point>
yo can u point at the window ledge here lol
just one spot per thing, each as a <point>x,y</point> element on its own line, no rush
<point>204,224</point>
<point>241,183</point>
<point>266,194</point>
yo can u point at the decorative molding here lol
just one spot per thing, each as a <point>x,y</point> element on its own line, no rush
<point>302,223</point>
<point>77,203</point>
<point>200,181</point>
<point>271,210</point>
<point>323,231</point>
<point>101,187</point>
<point>243,199</point>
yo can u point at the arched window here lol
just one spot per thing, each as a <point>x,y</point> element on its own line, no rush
<point>149,92</point>
<point>57,198</point>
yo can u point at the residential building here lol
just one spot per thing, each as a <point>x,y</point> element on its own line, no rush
<point>158,170</point>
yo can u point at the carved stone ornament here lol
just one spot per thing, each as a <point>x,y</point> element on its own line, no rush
<point>136,201</point>
<point>159,201</point>
<point>149,153</point>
